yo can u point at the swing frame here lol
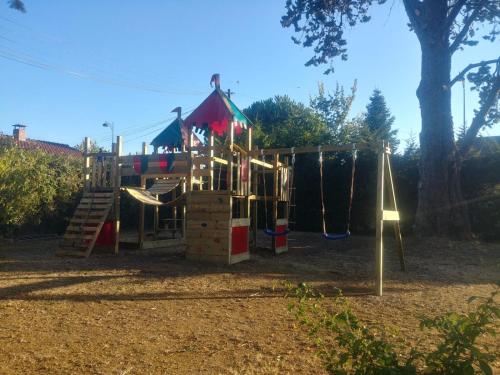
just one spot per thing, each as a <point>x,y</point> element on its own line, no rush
<point>384,182</point>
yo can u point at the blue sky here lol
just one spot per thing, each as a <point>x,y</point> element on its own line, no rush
<point>132,62</point>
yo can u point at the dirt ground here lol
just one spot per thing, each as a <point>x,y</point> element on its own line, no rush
<point>153,312</point>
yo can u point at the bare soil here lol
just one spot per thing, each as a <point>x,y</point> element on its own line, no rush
<point>153,312</point>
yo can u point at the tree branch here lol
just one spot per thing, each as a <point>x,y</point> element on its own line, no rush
<point>413,12</point>
<point>455,10</point>
<point>465,29</point>
<point>460,76</point>
<point>479,118</point>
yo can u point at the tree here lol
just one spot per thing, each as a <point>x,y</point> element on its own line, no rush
<point>378,121</point>
<point>94,147</point>
<point>333,110</point>
<point>282,122</point>
<point>17,5</point>
<point>442,28</point>
<point>411,150</point>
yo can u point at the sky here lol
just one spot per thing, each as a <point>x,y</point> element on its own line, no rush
<point>67,67</point>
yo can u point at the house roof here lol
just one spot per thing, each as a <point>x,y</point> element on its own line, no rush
<point>215,113</point>
<point>49,147</point>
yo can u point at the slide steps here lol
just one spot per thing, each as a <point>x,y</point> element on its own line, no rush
<point>86,223</point>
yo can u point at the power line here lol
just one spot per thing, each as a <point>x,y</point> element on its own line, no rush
<point>26,59</point>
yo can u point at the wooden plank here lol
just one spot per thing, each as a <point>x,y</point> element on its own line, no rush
<point>204,233</point>
<point>379,225</point>
<point>241,222</point>
<point>388,215</point>
<point>208,216</point>
<point>261,163</point>
<point>219,160</point>
<point>84,220</point>
<point>397,229</point>
<point>208,224</point>
<point>78,228</point>
<point>79,236</point>
<point>97,199</point>
<point>239,257</point>
<point>102,194</point>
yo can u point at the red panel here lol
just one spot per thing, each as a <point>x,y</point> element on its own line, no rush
<point>244,170</point>
<point>239,242</point>
<point>281,241</point>
<point>107,234</point>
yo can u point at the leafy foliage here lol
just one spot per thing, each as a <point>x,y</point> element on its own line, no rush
<point>346,346</point>
<point>94,147</point>
<point>282,122</point>
<point>322,23</point>
<point>17,5</point>
<point>35,187</point>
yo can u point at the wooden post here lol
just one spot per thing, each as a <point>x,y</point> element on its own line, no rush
<point>174,211</point>
<point>211,164</point>
<point>230,141</point>
<point>184,187</point>
<point>396,226</point>
<point>379,245</point>
<point>275,196</point>
<point>117,185</point>
<point>86,164</point>
<point>142,207</point>
<point>156,219</point>
<point>255,217</point>
<point>190,159</point>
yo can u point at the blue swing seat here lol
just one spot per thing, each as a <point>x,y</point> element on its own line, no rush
<point>272,233</point>
<point>337,236</point>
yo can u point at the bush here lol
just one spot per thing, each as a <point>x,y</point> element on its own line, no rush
<point>36,189</point>
<point>346,346</point>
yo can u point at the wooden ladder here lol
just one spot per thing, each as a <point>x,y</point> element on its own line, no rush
<point>86,223</point>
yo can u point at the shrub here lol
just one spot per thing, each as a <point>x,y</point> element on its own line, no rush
<point>36,188</point>
<point>346,346</point>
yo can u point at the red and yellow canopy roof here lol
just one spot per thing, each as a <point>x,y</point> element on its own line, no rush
<point>215,114</point>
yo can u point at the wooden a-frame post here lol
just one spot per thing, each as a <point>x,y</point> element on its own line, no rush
<point>384,175</point>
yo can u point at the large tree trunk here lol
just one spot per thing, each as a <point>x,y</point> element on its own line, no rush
<point>441,210</point>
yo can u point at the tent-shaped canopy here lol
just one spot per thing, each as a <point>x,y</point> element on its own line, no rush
<point>216,112</point>
<point>173,136</point>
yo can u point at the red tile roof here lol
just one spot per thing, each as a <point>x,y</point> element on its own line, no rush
<point>49,147</point>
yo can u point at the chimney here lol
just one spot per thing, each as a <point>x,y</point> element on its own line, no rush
<point>19,133</point>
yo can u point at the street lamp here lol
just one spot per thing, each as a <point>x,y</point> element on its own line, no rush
<point>111,125</point>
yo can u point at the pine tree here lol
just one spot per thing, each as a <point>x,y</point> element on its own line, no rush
<point>378,121</point>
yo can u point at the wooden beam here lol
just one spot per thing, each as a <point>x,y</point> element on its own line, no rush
<point>312,149</point>
<point>388,215</point>
<point>262,163</point>
<point>117,175</point>
<point>275,197</point>
<point>379,225</point>
<point>142,207</point>
<point>211,140</point>
<point>86,164</point>
<point>396,225</point>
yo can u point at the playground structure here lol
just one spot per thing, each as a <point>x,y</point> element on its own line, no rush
<point>212,189</point>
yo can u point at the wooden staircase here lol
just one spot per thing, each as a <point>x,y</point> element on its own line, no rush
<point>88,219</point>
